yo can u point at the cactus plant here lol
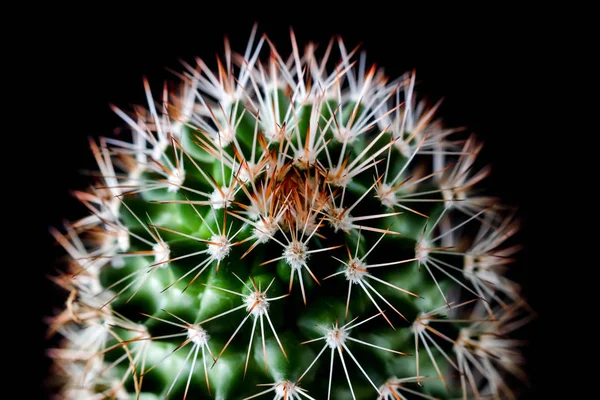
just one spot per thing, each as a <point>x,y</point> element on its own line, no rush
<point>290,228</point>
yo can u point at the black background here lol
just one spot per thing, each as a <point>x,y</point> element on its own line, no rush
<point>483,64</point>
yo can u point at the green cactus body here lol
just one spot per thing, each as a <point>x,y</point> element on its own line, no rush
<point>280,229</point>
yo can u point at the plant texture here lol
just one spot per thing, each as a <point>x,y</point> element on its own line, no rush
<point>288,227</point>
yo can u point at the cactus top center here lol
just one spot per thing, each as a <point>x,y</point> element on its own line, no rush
<point>300,192</point>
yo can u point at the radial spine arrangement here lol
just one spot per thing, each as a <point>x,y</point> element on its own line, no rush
<point>292,227</point>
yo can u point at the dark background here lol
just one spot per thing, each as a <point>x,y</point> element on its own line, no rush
<point>485,66</point>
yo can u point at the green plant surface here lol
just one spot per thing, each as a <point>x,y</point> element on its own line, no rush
<point>291,228</point>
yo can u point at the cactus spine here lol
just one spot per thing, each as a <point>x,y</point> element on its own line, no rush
<point>287,229</point>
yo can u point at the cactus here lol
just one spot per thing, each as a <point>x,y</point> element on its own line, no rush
<point>288,228</point>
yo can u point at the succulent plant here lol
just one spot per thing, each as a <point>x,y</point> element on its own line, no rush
<point>290,227</point>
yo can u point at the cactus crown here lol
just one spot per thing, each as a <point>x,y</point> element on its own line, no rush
<point>286,228</point>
